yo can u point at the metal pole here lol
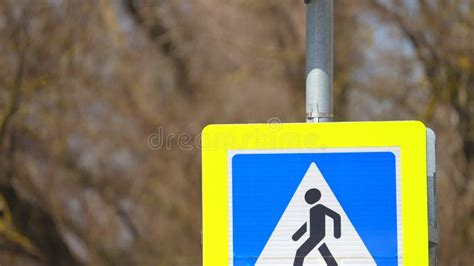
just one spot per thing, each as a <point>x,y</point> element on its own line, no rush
<point>319,62</point>
<point>433,241</point>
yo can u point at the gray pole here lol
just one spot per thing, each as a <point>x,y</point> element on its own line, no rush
<point>433,241</point>
<point>319,64</point>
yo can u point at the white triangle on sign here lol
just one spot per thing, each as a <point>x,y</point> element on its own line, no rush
<point>280,249</point>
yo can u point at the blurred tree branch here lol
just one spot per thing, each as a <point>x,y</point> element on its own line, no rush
<point>144,15</point>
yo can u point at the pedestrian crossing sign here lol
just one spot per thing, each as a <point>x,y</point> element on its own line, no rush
<point>315,194</point>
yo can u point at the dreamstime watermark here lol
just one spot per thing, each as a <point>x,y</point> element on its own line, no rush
<point>273,123</point>
<point>270,136</point>
<point>184,141</point>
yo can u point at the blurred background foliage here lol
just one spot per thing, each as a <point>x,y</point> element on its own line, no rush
<point>83,84</point>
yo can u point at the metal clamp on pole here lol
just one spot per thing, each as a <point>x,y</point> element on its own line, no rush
<point>318,116</point>
<point>319,60</point>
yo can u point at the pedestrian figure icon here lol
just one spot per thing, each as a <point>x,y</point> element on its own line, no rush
<point>316,228</point>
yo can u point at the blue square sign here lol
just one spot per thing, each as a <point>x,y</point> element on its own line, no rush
<point>315,207</point>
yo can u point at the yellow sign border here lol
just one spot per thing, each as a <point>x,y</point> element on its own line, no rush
<point>409,136</point>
